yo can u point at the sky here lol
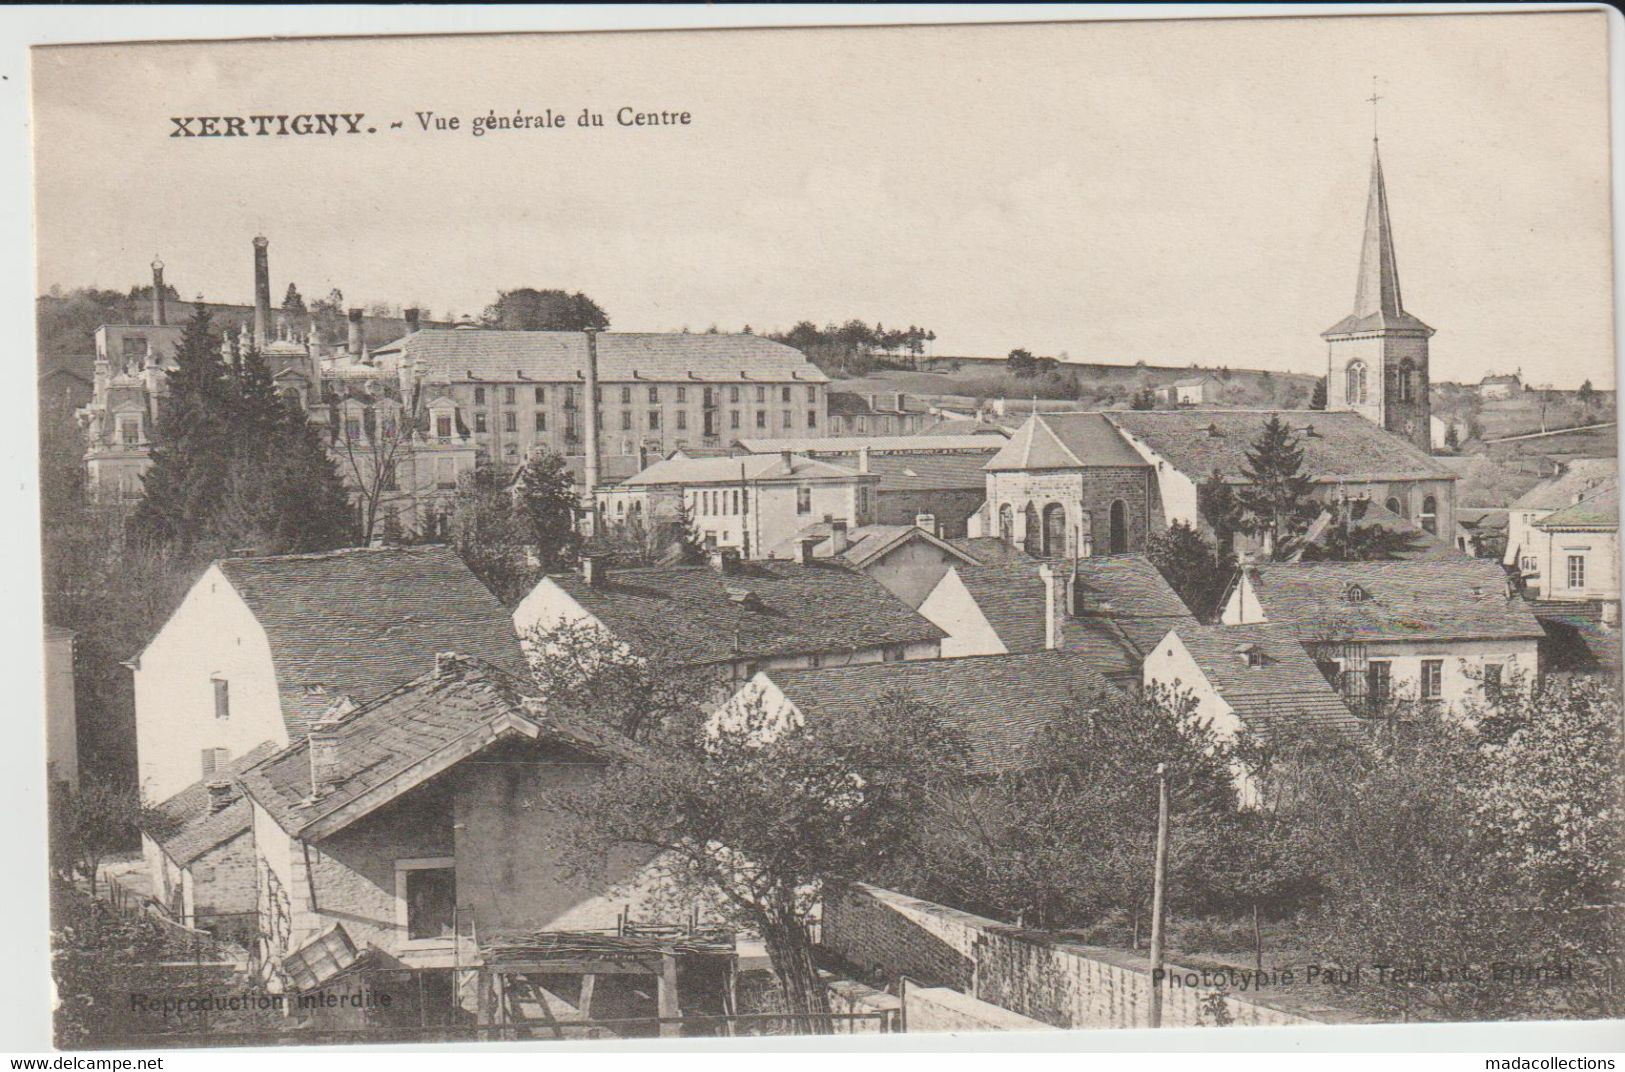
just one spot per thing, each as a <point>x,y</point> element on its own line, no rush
<point>1173,192</point>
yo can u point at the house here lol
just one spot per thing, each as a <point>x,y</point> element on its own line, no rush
<point>735,616</point>
<point>907,560</point>
<point>1573,481</point>
<point>1495,388</point>
<point>1402,537</point>
<point>1576,549</point>
<point>1191,391</point>
<point>61,707</point>
<point>1344,454</point>
<point>1437,630</point>
<point>260,648</point>
<point>427,824</point>
<point>891,414</point>
<point>1110,609</point>
<point>1582,638</point>
<point>940,475</point>
<point>1069,484</point>
<point>750,503</point>
<point>1000,705</point>
<point>1253,678</point>
<point>199,850</point>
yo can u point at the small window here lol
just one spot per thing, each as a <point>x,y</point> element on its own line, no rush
<point>442,427</point>
<point>784,394</point>
<point>1577,571</point>
<point>1355,594</point>
<point>541,420</point>
<point>541,395</point>
<point>654,393</point>
<point>803,500</point>
<point>788,420</point>
<point>1432,679</point>
<point>682,419</point>
<point>626,420</point>
<point>508,395</point>
<point>430,896</point>
<point>733,418</point>
<point>761,393</point>
<point>761,418</point>
<point>654,420</point>
<point>733,394</point>
<point>510,421</point>
<point>1430,514</point>
<point>812,418</point>
<point>1378,679</point>
<point>682,394</point>
<point>130,432</point>
<point>479,422</point>
<point>479,396</point>
<point>626,396</point>
<point>215,760</point>
<point>812,393</point>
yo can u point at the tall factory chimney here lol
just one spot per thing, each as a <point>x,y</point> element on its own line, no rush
<point>354,343</point>
<point>158,312</point>
<point>589,494</point>
<point>262,293</point>
<point>411,321</point>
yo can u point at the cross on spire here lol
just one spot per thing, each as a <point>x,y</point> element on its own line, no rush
<point>1373,99</point>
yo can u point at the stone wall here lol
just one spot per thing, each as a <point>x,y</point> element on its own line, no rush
<point>884,933</point>
<point>937,1008</point>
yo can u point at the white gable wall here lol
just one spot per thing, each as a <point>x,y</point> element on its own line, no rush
<point>212,634</point>
<point>951,608</point>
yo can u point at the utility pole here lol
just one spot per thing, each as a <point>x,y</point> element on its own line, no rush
<point>1159,881</point>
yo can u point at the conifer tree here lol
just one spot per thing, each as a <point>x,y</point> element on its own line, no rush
<point>1275,502</point>
<point>545,498</point>
<point>190,462</point>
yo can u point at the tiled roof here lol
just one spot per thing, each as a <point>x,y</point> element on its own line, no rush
<point>361,621</point>
<point>1422,545</point>
<point>1065,441</point>
<point>989,550</point>
<point>196,826</point>
<point>877,445</point>
<point>864,543</point>
<point>852,404</point>
<point>1131,592</point>
<point>951,426</point>
<point>382,740</point>
<point>929,472</point>
<point>1000,703</point>
<point>1286,688</point>
<point>1599,510</point>
<point>1403,600</point>
<point>1580,476</point>
<point>685,471</point>
<point>1344,446</point>
<point>462,355</point>
<point>693,615</point>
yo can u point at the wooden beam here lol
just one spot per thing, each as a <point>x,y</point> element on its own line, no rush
<point>666,1004</point>
<point>585,1004</point>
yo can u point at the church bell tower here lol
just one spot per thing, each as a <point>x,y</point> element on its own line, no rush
<point>1377,356</point>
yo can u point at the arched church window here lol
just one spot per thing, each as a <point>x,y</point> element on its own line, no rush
<point>1007,524</point>
<point>1404,382</point>
<point>1430,514</point>
<point>1395,507</point>
<point>1054,529</point>
<point>1032,538</point>
<point>1356,383</point>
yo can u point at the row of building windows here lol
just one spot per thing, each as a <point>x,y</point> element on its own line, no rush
<point>1402,387</point>
<point>510,421</point>
<point>510,395</point>
<point>724,501</point>
<point>1374,683</point>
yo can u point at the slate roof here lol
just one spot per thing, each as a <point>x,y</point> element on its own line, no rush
<point>1000,703</point>
<point>1405,600</point>
<point>1422,546</point>
<point>689,616</point>
<point>464,355</point>
<point>990,549</point>
<point>1344,446</point>
<point>686,471</point>
<point>360,621</point>
<point>1378,305</point>
<point>381,741</point>
<point>1599,510</point>
<point>1131,592</point>
<point>1065,441</point>
<point>1286,689</point>
<point>914,444</point>
<point>1580,476</point>
<point>853,404</point>
<point>197,827</point>
<point>960,426</point>
<point>864,543</point>
<point>929,472</point>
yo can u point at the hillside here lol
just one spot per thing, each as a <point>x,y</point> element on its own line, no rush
<point>1093,385</point>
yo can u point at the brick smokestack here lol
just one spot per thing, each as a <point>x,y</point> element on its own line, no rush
<point>411,321</point>
<point>159,315</point>
<point>590,435</point>
<point>354,344</point>
<point>262,292</point>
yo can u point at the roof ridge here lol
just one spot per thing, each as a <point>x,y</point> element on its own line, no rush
<point>337,552</point>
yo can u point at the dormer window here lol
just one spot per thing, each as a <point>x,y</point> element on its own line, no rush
<point>1251,654</point>
<point>1355,594</point>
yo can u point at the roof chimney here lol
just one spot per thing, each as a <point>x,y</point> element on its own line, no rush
<point>446,663</point>
<point>158,296</point>
<point>724,560</point>
<point>411,321</point>
<point>863,459</point>
<point>262,292</point>
<point>590,469</point>
<point>837,538</point>
<point>1054,605</point>
<point>806,548</point>
<point>789,461</point>
<point>322,742</point>
<point>220,796</point>
<point>928,522</point>
<point>593,571</point>
<point>354,344</point>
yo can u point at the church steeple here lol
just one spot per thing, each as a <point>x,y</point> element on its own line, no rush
<point>1377,356</point>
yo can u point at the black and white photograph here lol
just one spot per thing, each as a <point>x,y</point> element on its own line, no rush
<point>736,536</point>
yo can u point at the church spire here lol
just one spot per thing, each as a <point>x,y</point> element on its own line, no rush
<point>1378,287</point>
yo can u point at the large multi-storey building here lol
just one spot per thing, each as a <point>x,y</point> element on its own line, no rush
<point>657,392</point>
